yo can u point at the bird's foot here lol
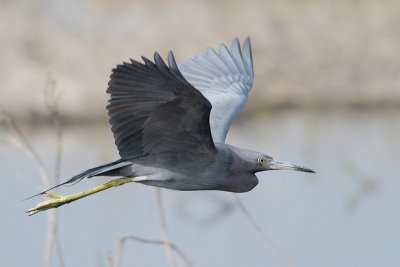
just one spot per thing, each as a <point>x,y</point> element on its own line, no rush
<point>55,196</point>
<point>56,201</point>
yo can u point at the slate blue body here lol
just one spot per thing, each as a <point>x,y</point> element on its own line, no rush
<point>161,123</point>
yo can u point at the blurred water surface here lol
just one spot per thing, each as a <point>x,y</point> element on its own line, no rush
<point>348,214</point>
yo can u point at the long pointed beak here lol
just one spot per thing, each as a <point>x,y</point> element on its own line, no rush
<point>278,165</point>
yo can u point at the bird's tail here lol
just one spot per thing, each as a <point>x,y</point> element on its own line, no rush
<point>103,169</point>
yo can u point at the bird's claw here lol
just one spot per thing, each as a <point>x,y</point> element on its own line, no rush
<point>55,196</point>
<point>54,202</point>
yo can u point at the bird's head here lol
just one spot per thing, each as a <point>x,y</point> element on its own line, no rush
<point>266,163</point>
<point>257,162</point>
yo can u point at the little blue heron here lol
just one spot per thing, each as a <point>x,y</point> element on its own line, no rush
<point>170,123</point>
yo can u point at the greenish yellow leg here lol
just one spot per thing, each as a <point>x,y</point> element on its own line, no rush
<point>59,200</point>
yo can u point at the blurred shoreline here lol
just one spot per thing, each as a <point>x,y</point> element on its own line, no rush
<point>316,55</point>
<point>34,120</point>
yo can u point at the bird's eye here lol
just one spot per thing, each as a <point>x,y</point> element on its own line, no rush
<point>262,160</point>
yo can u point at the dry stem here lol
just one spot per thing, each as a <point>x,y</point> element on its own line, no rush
<point>260,231</point>
<point>148,241</point>
<point>167,241</point>
<point>19,140</point>
<point>22,143</point>
<point>109,259</point>
<point>52,101</point>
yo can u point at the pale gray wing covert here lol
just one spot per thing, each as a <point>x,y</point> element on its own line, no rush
<point>225,79</point>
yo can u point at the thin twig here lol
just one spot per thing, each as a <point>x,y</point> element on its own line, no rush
<point>19,140</point>
<point>260,231</point>
<point>58,246</point>
<point>22,143</point>
<point>149,241</point>
<point>51,98</point>
<point>110,259</point>
<point>51,231</point>
<point>52,102</point>
<point>167,241</point>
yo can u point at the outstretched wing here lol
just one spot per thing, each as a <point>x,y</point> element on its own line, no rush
<point>155,111</point>
<point>225,79</point>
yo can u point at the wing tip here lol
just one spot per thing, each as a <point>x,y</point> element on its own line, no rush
<point>248,55</point>
<point>171,58</point>
<point>173,67</point>
<point>247,40</point>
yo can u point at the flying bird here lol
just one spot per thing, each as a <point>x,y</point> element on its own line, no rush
<point>170,122</point>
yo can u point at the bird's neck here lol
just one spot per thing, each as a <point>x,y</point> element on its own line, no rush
<point>240,178</point>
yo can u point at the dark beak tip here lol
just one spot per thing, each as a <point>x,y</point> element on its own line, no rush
<point>309,170</point>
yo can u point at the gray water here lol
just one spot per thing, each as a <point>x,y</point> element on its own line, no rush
<point>348,214</point>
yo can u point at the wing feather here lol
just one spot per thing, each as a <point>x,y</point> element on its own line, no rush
<point>225,79</point>
<point>155,111</point>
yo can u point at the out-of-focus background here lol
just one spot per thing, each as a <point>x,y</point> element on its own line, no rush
<point>326,95</point>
